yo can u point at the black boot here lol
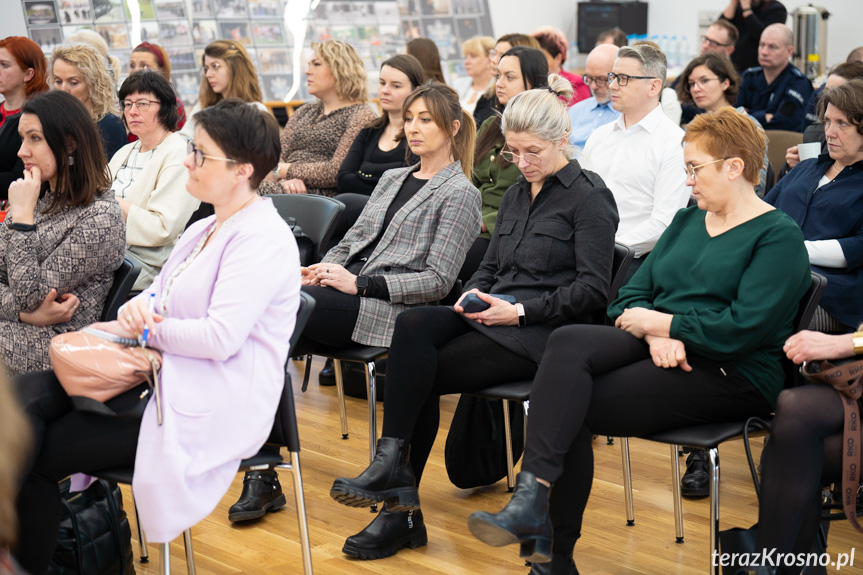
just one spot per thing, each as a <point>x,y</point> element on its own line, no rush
<point>388,478</point>
<point>261,493</point>
<point>327,376</point>
<point>388,532</point>
<point>696,481</point>
<point>524,520</point>
<point>561,564</point>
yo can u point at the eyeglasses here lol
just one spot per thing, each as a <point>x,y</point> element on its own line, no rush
<point>142,105</point>
<point>691,170</point>
<point>713,43</point>
<point>702,83</point>
<point>201,156</point>
<point>213,67</point>
<point>598,80</point>
<point>513,158</point>
<point>623,79</point>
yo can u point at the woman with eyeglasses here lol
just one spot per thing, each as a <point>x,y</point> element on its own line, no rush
<point>697,339</point>
<point>223,319</point>
<point>551,252</point>
<point>149,179</point>
<point>148,56</point>
<point>711,83</point>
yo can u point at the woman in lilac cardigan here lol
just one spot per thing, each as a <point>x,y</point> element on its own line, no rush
<point>224,315</point>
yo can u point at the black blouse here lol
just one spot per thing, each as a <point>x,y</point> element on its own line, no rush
<point>366,162</point>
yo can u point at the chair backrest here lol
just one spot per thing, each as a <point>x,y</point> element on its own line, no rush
<point>623,256</point>
<point>778,143</point>
<point>316,215</point>
<point>285,425</point>
<point>808,304</point>
<point>124,279</point>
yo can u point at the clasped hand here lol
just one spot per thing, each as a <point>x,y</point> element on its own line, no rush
<point>52,310</point>
<point>500,313</point>
<point>330,275</point>
<point>640,321</point>
<point>667,352</point>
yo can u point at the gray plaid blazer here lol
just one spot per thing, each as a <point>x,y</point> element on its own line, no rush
<point>421,251</point>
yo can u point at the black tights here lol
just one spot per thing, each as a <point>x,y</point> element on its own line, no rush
<point>64,442</point>
<point>804,453</point>
<point>601,380</point>
<point>435,352</point>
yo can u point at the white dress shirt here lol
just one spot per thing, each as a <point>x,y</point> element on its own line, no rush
<point>643,167</point>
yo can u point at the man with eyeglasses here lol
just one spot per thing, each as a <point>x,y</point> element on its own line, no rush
<point>720,37</point>
<point>775,93</point>
<point>751,17</point>
<point>596,111</point>
<point>639,155</point>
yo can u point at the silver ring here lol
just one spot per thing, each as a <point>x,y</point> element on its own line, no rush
<point>331,276</point>
<point>129,319</point>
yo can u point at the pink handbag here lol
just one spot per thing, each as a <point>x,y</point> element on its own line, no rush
<point>96,364</point>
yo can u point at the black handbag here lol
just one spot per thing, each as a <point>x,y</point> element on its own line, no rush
<point>94,537</point>
<point>475,451</point>
<point>742,542</point>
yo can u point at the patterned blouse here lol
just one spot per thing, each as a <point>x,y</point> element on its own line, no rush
<point>75,250</point>
<point>315,144</point>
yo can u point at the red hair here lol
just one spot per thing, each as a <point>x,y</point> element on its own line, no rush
<point>28,54</point>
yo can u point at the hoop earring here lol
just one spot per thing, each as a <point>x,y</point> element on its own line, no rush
<point>71,160</point>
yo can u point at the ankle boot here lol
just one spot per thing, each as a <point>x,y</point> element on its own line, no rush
<point>388,478</point>
<point>387,533</point>
<point>327,376</point>
<point>561,564</point>
<point>695,483</point>
<point>524,520</point>
<point>261,493</point>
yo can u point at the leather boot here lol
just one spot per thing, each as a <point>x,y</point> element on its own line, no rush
<point>388,478</point>
<point>561,564</point>
<point>524,520</point>
<point>388,532</point>
<point>327,376</point>
<point>262,492</point>
<point>695,483</point>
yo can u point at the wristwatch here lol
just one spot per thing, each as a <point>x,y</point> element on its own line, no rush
<point>275,172</point>
<point>858,343</point>
<point>362,285</point>
<point>519,308</point>
<point>22,227</point>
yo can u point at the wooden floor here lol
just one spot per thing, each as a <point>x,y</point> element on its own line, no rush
<point>607,546</point>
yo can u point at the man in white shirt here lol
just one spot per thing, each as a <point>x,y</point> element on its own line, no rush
<point>639,155</point>
<point>588,115</point>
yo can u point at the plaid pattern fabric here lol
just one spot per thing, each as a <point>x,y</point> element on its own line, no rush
<point>75,251</point>
<point>421,251</point>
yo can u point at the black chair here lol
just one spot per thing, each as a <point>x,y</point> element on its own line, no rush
<point>284,433</point>
<point>124,279</point>
<point>316,215</point>
<point>708,437</point>
<point>520,390</point>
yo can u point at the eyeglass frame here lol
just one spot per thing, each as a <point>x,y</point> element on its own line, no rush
<point>703,82</point>
<point>619,77</point>
<point>713,43</point>
<point>692,171</point>
<point>191,148</point>
<point>518,157</point>
<point>137,104</point>
<point>599,80</point>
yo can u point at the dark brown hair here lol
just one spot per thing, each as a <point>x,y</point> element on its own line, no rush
<point>427,53</point>
<point>848,99</point>
<point>411,68</point>
<point>717,63</point>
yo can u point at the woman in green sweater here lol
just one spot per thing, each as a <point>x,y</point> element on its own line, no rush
<point>519,69</point>
<point>697,339</point>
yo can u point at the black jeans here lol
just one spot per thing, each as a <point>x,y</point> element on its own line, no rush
<point>64,442</point>
<point>435,352</point>
<point>600,380</point>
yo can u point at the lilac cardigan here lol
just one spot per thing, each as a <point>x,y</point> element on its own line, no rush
<point>232,312</point>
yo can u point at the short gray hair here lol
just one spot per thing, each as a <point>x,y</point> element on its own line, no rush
<point>653,62</point>
<point>542,112</point>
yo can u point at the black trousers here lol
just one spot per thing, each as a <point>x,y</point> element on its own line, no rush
<point>435,352</point>
<point>601,380</point>
<point>332,321</point>
<point>64,442</point>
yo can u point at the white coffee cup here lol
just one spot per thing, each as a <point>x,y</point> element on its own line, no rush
<point>810,150</point>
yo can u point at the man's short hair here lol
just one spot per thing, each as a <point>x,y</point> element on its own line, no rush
<point>730,29</point>
<point>653,62</point>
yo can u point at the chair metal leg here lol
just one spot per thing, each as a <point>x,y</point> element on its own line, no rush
<point>165,551</point>
<point>142,540</point>
<point>507,431</point>
<point>299,497</point>
<point>675,490</point>
<point>627,481</point>
<point>190,554</point>
<point>714,507</point>
<point>373,415</point>
<point>340,390</point>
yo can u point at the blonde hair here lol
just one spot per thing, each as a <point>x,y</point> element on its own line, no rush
<point>15,440</point>
<point>542,112</point>
<point>478,46</point>
<point>94,72</point>
<point>95,40</point>
<point>243,76</point>
<point>347,68</point>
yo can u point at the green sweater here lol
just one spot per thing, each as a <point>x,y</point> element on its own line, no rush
<point>492,180</point>
<point>733,296</point>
